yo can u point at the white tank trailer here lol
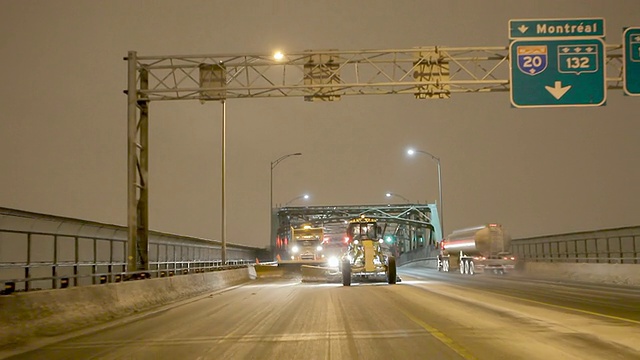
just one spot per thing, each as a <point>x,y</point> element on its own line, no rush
<point>478,249</point>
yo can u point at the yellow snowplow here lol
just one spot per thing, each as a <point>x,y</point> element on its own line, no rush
<point>364,258</point>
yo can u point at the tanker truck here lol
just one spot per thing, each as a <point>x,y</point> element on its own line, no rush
<point>478,249</point>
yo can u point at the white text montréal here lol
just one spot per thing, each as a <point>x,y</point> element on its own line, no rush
<point>567,29</point>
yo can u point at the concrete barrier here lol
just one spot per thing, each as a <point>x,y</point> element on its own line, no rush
<point>621,274</point>
<point>430,263</point>
<point>55,312</point>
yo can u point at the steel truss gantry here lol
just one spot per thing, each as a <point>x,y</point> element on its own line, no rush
<point>425,72</point>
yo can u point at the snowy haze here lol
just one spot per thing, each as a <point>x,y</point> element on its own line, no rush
<point>63,120</point>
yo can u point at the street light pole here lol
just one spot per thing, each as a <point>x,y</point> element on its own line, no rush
<point>305,196</point>
<point>437,159</point>
<point>273,165</point>
<point>389,194</point>
<point>223,220</point>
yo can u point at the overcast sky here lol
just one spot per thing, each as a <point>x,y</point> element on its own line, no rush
<point>63,119</point>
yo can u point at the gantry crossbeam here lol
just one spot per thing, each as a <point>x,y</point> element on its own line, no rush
<point>328,75</point>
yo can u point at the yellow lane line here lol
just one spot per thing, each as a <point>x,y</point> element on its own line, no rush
<point>440,336</point>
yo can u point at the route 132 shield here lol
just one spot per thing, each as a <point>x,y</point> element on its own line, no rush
<point>532,59</point>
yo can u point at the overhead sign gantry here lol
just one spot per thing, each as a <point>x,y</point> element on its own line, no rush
<point>431,72</point>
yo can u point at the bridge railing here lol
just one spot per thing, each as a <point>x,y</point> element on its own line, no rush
<point>52,260</point>
<point>610,246</point>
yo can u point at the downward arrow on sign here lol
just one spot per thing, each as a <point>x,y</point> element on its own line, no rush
<point>558,91</point>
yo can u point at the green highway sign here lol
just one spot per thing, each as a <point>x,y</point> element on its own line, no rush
<point>557,72</point>
<point>631,54</point>
<point>556,28</point>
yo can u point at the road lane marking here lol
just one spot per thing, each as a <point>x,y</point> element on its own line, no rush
<point>611,317</point>
<point>569,308</point>
<point>272,338</point>
<point>440,336</point>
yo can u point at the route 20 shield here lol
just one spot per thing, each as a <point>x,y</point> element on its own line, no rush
<point>532,59</point>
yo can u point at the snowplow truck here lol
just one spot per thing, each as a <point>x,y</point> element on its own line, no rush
<point>364,258</point>
<point>306,244</point>
<point>478,249</point>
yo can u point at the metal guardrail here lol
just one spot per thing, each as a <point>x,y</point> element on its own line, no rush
<point>46,260</point>
<point>92,253</point>
<point>609,246</point>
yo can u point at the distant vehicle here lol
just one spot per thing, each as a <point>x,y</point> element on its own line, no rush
<point>364,258</point>
<point>306,244</point>
<point>478,249</point>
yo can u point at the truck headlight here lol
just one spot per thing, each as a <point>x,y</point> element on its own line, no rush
<point>319,248</point>
<point>295,249</point>
<point>333,261</point>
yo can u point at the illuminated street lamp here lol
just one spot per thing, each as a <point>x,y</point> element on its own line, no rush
<point>437,159</point>
<point>278,55</point>
<point>305,196</point>
<point>389,194</point>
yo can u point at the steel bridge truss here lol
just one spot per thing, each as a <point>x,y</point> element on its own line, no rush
<point>424,72</point>
<point>401,221</point>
